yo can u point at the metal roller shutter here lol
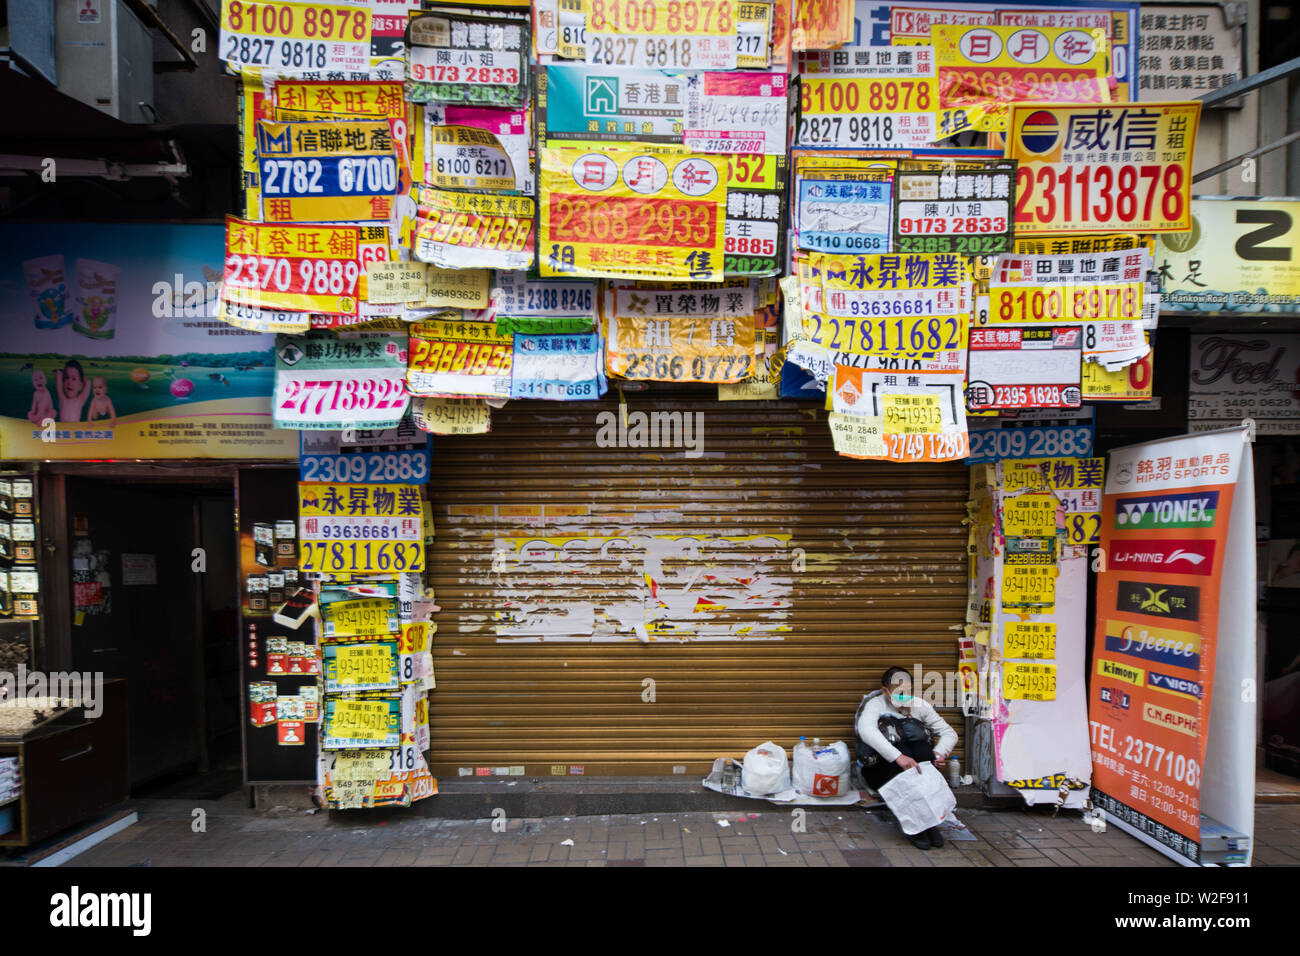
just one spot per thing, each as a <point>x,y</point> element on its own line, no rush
<point>535,656</point>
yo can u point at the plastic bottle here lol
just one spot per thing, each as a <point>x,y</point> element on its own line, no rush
<point>803,742</point>
<point>954,772</point>
<point>817,744</point>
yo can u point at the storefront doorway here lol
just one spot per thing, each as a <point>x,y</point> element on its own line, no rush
<point>1279,570</point>
<point>152,599</point>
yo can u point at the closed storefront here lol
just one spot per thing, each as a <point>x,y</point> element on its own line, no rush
<point>611,607</point>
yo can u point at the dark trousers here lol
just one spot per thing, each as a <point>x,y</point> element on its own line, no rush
<point>882,772</point>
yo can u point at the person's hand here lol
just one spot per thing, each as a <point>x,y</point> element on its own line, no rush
<point>907,763</point>
<point>939,761</point>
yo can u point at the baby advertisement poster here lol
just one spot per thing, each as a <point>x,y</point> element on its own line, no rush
<point>112,348</point>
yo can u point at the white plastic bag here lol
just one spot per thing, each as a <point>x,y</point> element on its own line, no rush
<point>919,800</point>
<point>765,770</point>
<point>823,772</point>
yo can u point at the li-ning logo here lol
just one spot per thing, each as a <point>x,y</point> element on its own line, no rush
<point>1168,511</point>
<point>1180,557</point>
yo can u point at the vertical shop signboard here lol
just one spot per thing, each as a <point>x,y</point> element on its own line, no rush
<point>1045,508</point>
<point>277,641</point>
<point>1175,612</point>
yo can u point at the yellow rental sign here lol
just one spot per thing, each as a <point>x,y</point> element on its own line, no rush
<point>627,211</point>
<point>1124,167</point>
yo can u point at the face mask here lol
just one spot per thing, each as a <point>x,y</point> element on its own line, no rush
<point>901,700</point>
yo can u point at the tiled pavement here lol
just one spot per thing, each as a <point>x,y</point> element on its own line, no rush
<point>240,837</point>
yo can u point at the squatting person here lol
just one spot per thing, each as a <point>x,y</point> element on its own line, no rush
<point>899,730</point>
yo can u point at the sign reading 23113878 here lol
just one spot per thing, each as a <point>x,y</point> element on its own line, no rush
<point>1122,167</point>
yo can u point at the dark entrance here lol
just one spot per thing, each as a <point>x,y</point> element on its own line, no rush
<point>153,600</point>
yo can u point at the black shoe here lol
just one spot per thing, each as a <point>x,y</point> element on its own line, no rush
<point>936,838</point>
<point>920,840</point>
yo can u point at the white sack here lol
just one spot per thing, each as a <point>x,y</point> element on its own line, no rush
<point>765,770</point>
<point>919,800</point>
<point>823,772</point>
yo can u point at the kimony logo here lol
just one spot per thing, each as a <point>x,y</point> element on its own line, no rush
<point>1170,556</point>
<point>1159,600</point>
<point>1167,511</point>
<point>1156,644</point>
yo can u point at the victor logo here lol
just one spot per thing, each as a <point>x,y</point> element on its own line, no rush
<point>1167,511</point>
<point>1178,685</point>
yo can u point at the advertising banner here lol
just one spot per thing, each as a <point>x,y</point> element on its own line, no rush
<point>460,359</point>
<point>1024,367</point>
<point>666,33</point>
<point>705,111</point>
<point>682,336</point>
<point>458,230</point>
<point>467,60</point>
<point>360,529</point>
<point>563,368</point>
<point>1070,181</point>
<point>896,416</point>
<point>1254,375</point>
<point>1240,255</point>
<point>113,348</point>
<point>334,172</point>
<point>292,267</point>
<point>292,37</point>
<point>1171,620</point>
<point>888,106</point>
<point>328,380</point>
<point>1133,383</point>
<point>1024,645</point>
<point>619,211</point>
<point>1031,434</point>
<point>982,69</point>
<point>963,207</point>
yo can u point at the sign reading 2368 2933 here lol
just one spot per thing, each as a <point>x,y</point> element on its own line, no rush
<point>632,211</point>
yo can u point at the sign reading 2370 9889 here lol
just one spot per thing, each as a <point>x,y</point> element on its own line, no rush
<point>632,212</point>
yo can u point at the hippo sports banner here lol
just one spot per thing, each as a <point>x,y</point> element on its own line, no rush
<point>113,348</point>
<point>1175,617</point>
